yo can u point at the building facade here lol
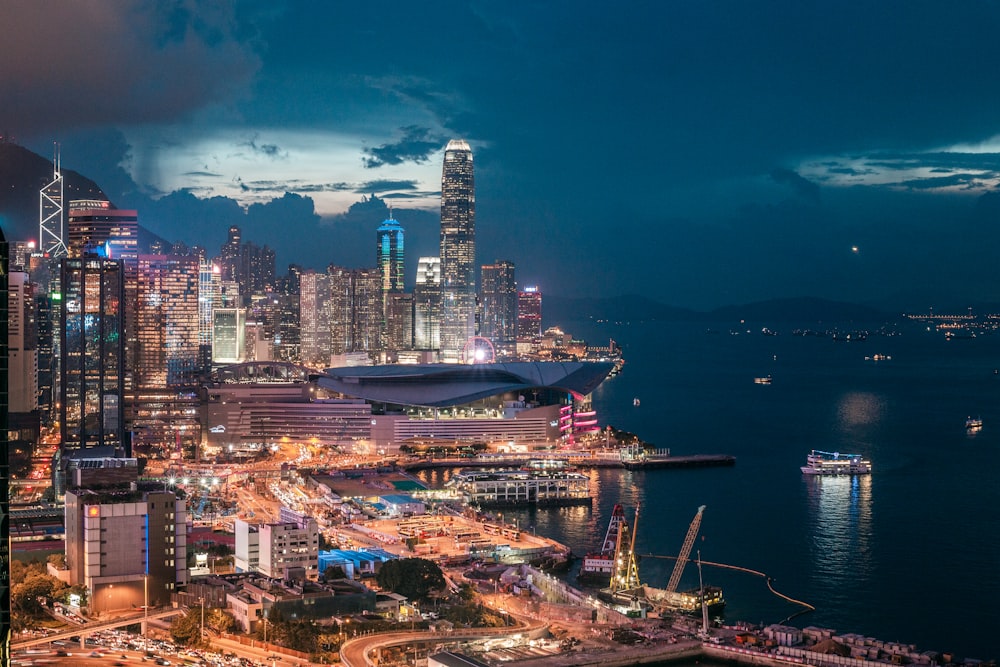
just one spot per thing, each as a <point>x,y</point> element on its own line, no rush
<point>498,304</point>
<point>427,305</point>
<point>126,546</point>
<point>458,249</point>
<point>529,314</point>
<point>92,352</point>
<point>168,321</point>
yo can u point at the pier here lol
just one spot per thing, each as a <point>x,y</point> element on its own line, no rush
<point>575,459</point>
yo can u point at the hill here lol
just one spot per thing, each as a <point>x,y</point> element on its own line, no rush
<point>634,308</point>
<point>23,173</point>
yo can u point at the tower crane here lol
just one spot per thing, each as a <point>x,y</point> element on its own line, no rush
<point>685,552</point>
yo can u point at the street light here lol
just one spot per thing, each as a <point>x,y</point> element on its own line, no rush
<point>145,611</point>
<point>202,635</point>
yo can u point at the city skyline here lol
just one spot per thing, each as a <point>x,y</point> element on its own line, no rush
<point>724,153</point>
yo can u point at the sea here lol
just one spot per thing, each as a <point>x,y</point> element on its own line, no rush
<point>909,554</point>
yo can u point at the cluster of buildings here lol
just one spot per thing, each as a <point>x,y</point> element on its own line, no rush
<point>115,354</point>
<point>115,346</point>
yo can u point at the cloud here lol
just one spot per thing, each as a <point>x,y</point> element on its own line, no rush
<point>803,187</point>
<point>967,181</point>
<point>208,174</point>
<point>417,145</point>
<point>79,64</point>
<point>382,185</point>
<point>267,150</point>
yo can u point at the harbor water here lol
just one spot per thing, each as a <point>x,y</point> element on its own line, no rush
<point>908,554</point>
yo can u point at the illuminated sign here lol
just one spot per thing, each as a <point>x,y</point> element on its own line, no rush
<point>217,429</point>
<point>93,510</point>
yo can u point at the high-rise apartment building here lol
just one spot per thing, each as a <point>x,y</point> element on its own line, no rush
<point>314,319</point>
<point>529,313</point>
<point>427,305</point>
<point>458,249</point>
<point>168,321</point>
<point>92,352</point>
<point>498,304</point>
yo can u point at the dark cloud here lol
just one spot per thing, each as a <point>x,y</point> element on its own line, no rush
<point>970,181</point>
<point>383,185</point>
<point>267,150</point>
<point>79,64</point>
<point>417,145</point>
<point>803,187</point>
<point>209,174</point>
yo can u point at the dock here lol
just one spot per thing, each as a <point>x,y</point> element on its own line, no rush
<point>575,459</point>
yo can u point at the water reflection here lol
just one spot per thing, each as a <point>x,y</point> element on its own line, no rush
<point>840,529</point>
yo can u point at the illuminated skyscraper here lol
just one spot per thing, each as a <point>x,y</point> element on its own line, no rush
<point>23,355</point>
<point>458,249</point>
<point>95,226</point>
<point>314,324</point>
<point>498,321</point>
<point>389,255</point>
<point>356,310</point>
<point>167,321</point>
<point>529,313</point>
<point>92,352</point>
<point>209,297</point>
<point>427,305</point>
<point>93,223</point>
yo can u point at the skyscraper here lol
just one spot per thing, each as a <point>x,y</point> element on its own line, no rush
<point>498,321</point>
<point>314,326</point>
<point>458,249</point>
<point>92,352</point>
<point>529,313</point>
<point>389,255</point>
<point>427,305</point>
<point>167,321</point>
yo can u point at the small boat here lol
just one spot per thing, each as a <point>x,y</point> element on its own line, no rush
<point>973,423</point>
<point>635,402</point>
<point>762,380</point>
<point>834,463</point>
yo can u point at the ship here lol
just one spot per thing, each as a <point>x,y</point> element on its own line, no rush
<point>834,463</point>
<point>973,423</point>
<point>762,380</point>
<point>598,566</point>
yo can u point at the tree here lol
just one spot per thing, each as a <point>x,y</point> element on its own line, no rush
<point>186,629</point>
<point>414,578</point>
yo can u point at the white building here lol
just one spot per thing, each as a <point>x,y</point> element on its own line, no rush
<point>274,548</point>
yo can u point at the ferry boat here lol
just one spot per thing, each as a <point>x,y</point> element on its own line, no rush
<point>762,380</point>
<point>834,463</point>
<point>973,423</point>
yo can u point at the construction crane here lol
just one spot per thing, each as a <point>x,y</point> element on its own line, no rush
<point>685,552</point>
<point>626,574</point>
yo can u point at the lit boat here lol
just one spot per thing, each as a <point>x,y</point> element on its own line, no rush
<point>973,423</point>
<point>764,380</point>
<point>833,463</point>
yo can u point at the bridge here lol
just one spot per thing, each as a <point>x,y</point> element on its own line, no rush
<point>84,631</point>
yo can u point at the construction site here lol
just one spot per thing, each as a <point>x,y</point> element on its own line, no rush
<point>615,569</point>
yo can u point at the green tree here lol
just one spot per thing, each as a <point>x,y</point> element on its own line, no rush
<point>415,578</point>
<point>186,629</point>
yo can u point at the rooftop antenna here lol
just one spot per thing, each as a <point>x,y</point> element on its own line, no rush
<point>50,211</point>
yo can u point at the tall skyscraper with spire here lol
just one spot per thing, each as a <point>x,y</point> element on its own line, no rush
<point>458,250</point>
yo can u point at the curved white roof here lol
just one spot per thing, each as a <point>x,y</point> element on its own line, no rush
<point>445,385</point>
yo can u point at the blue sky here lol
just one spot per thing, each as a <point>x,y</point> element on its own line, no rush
<point>702,153</point>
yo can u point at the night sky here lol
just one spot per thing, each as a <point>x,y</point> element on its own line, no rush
<point>702,153</point>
